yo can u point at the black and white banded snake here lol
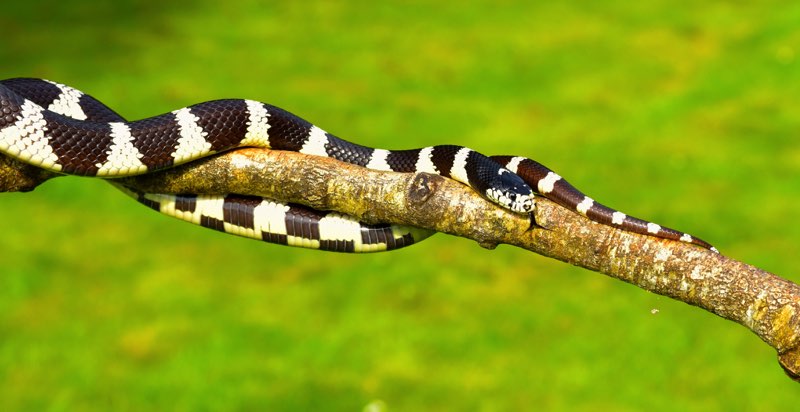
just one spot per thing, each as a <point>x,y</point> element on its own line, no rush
<point>64,130</point>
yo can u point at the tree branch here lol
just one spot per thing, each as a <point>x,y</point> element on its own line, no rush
<point>16,176</point>
<point>766,304</point>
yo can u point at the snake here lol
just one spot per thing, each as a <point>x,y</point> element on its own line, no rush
<point>64,130</point>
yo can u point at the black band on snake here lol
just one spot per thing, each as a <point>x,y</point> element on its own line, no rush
<point>64,130</point>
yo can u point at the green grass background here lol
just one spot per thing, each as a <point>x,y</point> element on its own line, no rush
<point>682,113</point>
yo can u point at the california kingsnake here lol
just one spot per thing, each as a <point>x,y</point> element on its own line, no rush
<point>64,130</point>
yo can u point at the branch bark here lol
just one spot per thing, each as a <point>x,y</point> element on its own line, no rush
<point>764,303</point>
<point>16,176</point>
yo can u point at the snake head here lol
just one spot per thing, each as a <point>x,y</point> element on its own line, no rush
<point>511,192</point>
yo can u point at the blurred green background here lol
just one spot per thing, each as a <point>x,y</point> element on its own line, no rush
<point>683,114</point>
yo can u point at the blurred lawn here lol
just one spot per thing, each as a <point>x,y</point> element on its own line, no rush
<point>685,115</point>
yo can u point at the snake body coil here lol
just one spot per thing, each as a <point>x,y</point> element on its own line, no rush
<point>64,130</point>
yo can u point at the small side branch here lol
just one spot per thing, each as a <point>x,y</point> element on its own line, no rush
<point>766,304</point>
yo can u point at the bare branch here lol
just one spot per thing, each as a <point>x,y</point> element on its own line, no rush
<point>766,304</point>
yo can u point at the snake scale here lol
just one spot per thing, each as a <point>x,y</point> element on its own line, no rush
<point>63,130</point>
